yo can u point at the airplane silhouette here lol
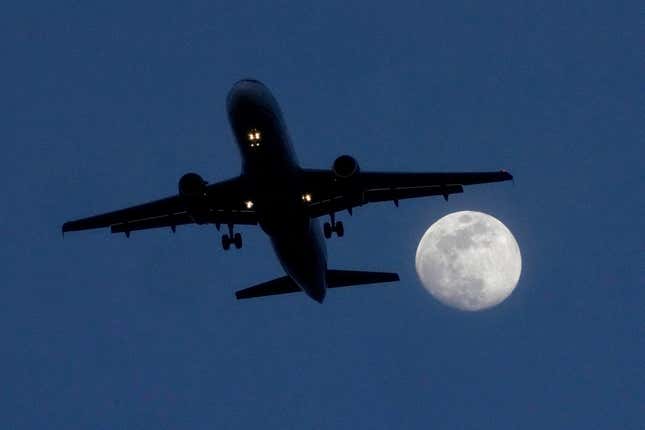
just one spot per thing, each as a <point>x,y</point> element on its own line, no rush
<point>285,199</point>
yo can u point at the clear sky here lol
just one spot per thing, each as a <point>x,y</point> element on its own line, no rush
<point>107,104</point>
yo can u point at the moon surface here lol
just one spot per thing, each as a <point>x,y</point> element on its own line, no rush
<point>469,260</point>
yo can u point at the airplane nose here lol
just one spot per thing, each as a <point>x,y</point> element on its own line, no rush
<point>244,91</point>
<point>244,85</point>
<point>248,81</point>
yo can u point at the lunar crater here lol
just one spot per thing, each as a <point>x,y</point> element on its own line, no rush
<point>469,260</point>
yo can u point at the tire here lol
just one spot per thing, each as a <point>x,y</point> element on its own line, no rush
<point>237,239</point>
<point>327,230</point>
<point>226,243</point>
<point>340,229</point>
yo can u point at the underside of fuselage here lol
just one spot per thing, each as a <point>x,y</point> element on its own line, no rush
<point>271,168</point>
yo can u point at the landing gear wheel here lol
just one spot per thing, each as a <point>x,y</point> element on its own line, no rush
<point>237,239</point>
<point>327,230</point>
<point>340,229</point>
<point>226,242</point>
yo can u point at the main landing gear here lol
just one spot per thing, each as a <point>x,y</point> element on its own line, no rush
<point>333,227</point>
<point>231,239</point>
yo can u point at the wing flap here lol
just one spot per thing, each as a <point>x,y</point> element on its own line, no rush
<point>172,221</point>
<point>405,179</point>
<point>340,203</point>
<point>224,205</point>
<point>166,206</point>
<point>384,195</point>
<point>331,196</point>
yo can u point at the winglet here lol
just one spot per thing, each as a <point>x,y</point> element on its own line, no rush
<point>65,228</point>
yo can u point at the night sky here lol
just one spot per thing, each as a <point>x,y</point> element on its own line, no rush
<point>106,105</point>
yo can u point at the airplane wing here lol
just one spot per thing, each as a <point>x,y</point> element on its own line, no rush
<point>329,194</point>
<point>220,203</point>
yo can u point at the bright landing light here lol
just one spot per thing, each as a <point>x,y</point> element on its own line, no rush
<point>306,197</point>
<point>254,135</point>
<point>248,204</point>
<point>254,138</point>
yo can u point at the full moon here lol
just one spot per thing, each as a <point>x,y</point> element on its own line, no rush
<point>469,260</point>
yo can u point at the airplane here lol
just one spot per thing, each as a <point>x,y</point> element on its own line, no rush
<point>285,199</point>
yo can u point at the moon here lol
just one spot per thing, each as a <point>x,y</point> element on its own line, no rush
<point>469,260</point>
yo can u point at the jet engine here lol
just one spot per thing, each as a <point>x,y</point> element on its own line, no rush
<point>347,181</point>
<point>345,167</point>
<point>192,190</point>
<point>191,184</point>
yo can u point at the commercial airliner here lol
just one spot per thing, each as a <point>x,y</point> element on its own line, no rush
<point>285,199</point>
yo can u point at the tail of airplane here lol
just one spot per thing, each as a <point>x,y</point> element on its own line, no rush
<point>335,279</point>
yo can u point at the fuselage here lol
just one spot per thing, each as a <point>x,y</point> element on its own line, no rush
<point>270,166</point>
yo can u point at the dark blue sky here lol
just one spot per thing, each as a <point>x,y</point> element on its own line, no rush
<point>106,105</point>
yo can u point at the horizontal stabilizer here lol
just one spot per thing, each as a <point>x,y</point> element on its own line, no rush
<point>335,279</point>
<point>348,278</point>
<point>282,285</point>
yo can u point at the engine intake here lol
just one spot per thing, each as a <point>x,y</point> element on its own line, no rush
<point>192,189</point>
<point>345,167</point>
<point>191,184</point>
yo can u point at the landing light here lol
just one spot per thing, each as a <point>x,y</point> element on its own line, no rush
<point>248,204</point>
<point>254,135</point>
<point>306,197</point>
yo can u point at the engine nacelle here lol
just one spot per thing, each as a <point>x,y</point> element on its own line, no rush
<point>191,184</point>
<point>345,167</point>
<point>192,189</point>
<point>347,179</point>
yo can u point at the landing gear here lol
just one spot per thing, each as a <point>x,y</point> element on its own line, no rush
<point>340,229</point>
<point>231,239</point>
<point>333,227</point>
<point>226,242</point>
<point>327,230</point>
